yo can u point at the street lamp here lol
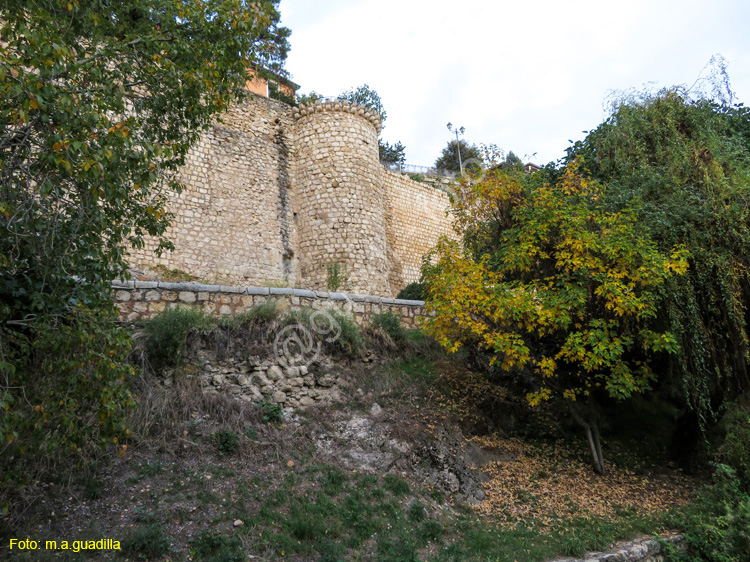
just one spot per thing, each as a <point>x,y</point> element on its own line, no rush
<point>458,144</point>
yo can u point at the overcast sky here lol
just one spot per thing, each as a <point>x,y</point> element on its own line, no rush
<point>526,76</point>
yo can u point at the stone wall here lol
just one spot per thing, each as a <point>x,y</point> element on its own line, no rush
<point>417,217</point>
<point>138,300</point>
<point>274,195</point>
<point>233,221</point>
<point>340,199</point>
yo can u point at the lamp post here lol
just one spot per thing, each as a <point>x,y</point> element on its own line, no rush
<point>458,144</point>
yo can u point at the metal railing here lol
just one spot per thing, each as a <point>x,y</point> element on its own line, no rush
<point>424,170</point>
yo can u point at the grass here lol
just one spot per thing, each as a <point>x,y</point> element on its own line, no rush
<point>202,462</point>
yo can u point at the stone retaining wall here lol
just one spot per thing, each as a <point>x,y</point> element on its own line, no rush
<point>143,299</point>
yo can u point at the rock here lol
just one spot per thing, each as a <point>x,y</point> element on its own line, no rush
<point>480,495</point>
<point>306,401</point>
<point>376,410</point>
<point>296,382</point>
<point>243,380</point>
<point>325,380</point>
<point>279,397</point>
<point>275,373</point>
<point>449,481</point>
<point>309,380</point>
<point>238,522</point>
<point>303,370</point>
<point>292,372</point>
<point>217,380</point>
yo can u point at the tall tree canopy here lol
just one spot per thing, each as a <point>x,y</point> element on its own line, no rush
<point>471,155</point>
<point>554,286</point>
<point>685,164</point>
<point>100,102</point>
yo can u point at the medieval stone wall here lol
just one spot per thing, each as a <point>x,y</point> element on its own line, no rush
<point>417,217</point>
<point>340,200</point>
<point>274,195</point>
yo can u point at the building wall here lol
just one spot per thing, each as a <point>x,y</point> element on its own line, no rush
<point>274,195</point>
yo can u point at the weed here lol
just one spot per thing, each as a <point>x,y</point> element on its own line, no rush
<point>166,334</point>
<point>211,546</point>
<point>227,442</point>
<point>146,541</point>
<point>417,512</point>
<point>397,486</point>
<point>272,412</point>
<point>337,277</point>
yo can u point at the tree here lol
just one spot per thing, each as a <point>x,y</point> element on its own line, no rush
<point>392,154</point>
<point>471,157</point>
<point>365,95</point>
<point>100,104</point>
<point>685,163</point>
<point>555,287</point>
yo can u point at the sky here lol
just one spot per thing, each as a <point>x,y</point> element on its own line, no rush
<point>525,76</point>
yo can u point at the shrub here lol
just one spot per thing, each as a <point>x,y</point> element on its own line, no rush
<point>337,277</point>
<point>413,291</point>
<point>227,442</point>
<point>271,412</point>
<point>166,334</point>
<point>735,451</point>
<point>334,331</point>
<point>65,393</point>
<point>391,325</point>
<point>717,529</point>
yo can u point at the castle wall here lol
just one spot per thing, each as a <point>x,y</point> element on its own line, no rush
<point>340,200</point>
<point>416,219</point>
<point>275,195</point>
<point>233,221</point>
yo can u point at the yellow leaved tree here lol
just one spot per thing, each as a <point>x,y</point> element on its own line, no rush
<point>555,287</point>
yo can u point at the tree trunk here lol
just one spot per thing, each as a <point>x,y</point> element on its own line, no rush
<point>592,435</point>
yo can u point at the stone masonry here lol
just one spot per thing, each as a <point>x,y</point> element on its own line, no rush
<point>274,195</point>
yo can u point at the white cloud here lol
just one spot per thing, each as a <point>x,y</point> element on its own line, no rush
<point>526,76</point>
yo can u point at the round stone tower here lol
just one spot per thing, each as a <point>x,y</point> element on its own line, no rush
<point>340,198</point>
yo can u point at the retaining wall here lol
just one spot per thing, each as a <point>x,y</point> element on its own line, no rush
<point>143,299</point>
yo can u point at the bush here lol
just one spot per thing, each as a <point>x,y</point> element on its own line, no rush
<point>166,334</point>
<point>65,394</point>
<point>391,325</point>
<point>227,442</point>
<point>334,331</point>
<point>717,529</point>
<point>413,292</point>
<point>735,451</point>
<point>271,412</point>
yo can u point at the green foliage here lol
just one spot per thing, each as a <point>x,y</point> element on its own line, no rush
<point>227,442</point>
<point>392,154</point>
<point>391,325</point>
<point>471,157</point>
<point>64,393</point>
<point>735,451</point>
<point>99,105</point>
<point>365,95</point>
<point>417,177</point>
<point>685,166</point>
<point>212,546</point>
<point>166,335</point>
<point>414,291</point>
<point>146,542</point>
<point>397,486</point>
<point>554,286</point>
<point>336,278</point>
<point>717,529</point>
<point>271,412</point>
<point>334,331</point>
<point>310,98</point>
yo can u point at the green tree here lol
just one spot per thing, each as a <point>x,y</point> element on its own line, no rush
<point>100,104</point>
<point>392,154</point>
<point>365,95</point>
<point>471,156</point>
<point>685,164</point>
<point>555,287</point>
